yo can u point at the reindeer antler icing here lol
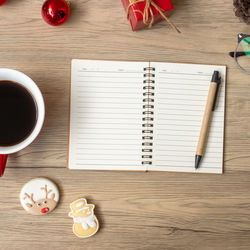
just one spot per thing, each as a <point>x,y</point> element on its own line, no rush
<point>46,190</point>
<point>30,197</point>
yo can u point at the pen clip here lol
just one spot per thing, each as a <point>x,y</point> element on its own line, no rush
<point>216,93</point>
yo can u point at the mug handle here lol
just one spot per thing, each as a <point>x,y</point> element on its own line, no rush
<point>3,160</point>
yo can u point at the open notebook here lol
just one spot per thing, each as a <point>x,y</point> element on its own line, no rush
<point>143,116</point>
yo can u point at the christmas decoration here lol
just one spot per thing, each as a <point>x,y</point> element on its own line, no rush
<point>142,13</point>
<point>2,2</point>
<point>242,10</point>
<point>55,12</point>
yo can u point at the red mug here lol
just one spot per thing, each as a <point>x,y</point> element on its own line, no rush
<point>26,82</point>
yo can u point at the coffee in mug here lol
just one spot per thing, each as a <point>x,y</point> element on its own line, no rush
<point>18,111</point>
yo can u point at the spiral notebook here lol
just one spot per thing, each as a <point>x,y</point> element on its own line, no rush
<point>143,116</point>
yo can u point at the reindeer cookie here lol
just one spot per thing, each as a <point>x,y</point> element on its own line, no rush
<point>85,222</point>
<point>39,196</point>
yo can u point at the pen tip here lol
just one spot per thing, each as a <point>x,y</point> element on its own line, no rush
<point>197,161</point>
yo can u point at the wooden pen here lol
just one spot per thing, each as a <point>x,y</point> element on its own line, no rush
<point>210,107</point>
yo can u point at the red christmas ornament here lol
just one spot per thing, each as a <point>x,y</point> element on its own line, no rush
<point>2,2</point>
<point>55,12</point>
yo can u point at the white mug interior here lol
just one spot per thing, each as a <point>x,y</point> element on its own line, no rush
<point>28,83</point>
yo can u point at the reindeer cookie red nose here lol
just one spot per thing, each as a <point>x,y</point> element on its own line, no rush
<point>45,210</point>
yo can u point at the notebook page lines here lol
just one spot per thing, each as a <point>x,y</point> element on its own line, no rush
<point>180,95</point>
<point>106,113</point>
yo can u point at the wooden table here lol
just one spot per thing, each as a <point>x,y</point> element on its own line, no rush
<point>171,211</point>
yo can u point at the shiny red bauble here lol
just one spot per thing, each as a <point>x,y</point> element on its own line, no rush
<point>3,2</point>
<point>55,12</point>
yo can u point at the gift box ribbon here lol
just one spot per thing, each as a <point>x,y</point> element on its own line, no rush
<point>148,12</point>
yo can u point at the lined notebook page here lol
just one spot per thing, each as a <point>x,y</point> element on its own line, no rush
<point>106,115</point>
<point>180,97</point>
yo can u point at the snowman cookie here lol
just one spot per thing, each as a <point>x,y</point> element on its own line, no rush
<point>39,196</point>
<point>85,222</point>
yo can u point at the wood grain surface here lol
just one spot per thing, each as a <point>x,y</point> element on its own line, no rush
<point>172,211</point>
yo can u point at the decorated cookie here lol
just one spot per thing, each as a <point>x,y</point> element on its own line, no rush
<point>39,196</point>
<point>85,222</point>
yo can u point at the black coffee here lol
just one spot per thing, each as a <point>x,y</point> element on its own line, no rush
<point>18,113</point>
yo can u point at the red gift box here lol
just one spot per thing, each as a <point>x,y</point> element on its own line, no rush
<point>136,10</point>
